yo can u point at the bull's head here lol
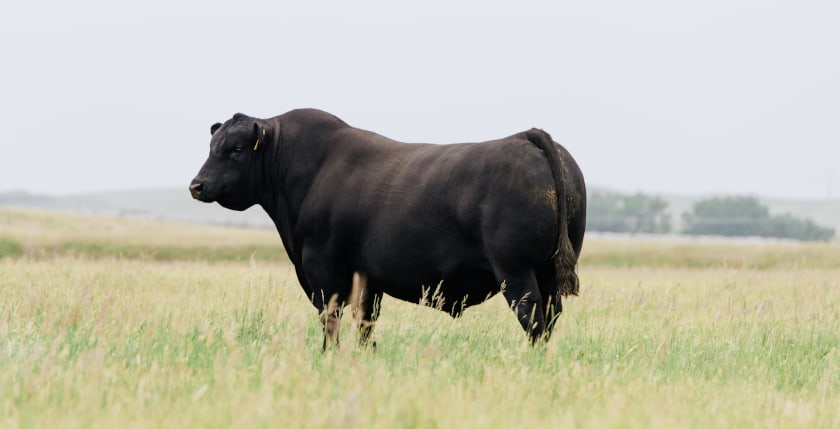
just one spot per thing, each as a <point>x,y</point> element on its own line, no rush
<point>229,174</point>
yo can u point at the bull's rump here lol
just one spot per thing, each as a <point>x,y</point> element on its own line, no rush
<point>411,216</point>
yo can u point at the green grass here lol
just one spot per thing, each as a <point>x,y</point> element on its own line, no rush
<point>37,235</point>
<point>10,247</point>
<point>654,340</point>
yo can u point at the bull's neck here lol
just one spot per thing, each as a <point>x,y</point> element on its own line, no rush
<point>297,153</point>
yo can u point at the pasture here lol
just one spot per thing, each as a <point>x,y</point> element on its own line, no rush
<point>135,323</point>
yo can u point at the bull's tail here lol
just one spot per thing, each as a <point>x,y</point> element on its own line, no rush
<point>564,256</point>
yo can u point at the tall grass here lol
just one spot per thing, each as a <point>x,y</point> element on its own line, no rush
<point>112,341</point>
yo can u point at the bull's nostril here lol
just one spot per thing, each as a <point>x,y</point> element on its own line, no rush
<point>196,188</point>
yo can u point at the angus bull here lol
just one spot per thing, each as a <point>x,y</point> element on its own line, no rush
<point>447,225</point>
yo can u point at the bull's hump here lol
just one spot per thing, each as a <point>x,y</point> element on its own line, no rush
<point>310,115</point>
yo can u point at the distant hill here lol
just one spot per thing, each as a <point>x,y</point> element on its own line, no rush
<point>164,204</point>
<point>177,205</point>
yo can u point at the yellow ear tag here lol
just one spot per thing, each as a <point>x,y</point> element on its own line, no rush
<point>257,144</point>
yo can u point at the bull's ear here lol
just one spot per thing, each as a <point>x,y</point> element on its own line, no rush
<point>214,128</point>
<point>261,136</point>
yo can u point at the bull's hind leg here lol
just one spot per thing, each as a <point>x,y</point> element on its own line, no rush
<point>553,307</point>
<point>552,304</point>
<point>522,294</point>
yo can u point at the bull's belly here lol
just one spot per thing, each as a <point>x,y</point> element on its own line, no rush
<point>451,294</point>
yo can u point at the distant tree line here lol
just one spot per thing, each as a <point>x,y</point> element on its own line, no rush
<point>747,217</point>
<point>634,214</point>
<point>727,216</point>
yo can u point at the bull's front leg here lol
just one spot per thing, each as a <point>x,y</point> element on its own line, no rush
<point>328,295</point>
<point>365,302</point>
<point>331,321</point>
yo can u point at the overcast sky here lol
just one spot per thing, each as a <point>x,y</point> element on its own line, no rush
<point>735,96</point>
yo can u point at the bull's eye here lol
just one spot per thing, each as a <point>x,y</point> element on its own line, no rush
<point>238,149</point>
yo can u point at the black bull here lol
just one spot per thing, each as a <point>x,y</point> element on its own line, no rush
<point>446,225</point>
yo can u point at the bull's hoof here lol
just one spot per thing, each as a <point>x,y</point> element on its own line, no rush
<point>368,345</point>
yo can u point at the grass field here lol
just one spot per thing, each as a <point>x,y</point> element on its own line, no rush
<point>130,323</point>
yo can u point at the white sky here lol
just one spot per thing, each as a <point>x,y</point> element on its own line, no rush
<point>736,96</point>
